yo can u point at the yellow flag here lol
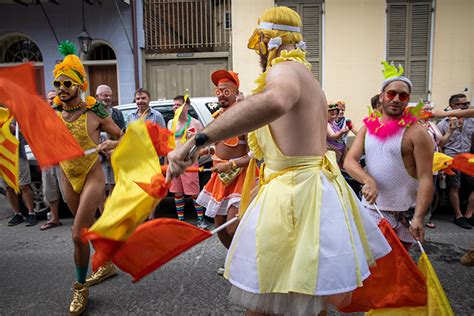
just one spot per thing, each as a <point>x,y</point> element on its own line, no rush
<point>438,304</point>
<point>8,151</point>
<point>134,160</point>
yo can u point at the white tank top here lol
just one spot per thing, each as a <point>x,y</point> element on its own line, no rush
<point>397,189</point>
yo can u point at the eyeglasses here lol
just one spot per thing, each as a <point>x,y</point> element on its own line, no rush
<point>402,96</point>
<point>66,84</point>
<point>223,92</point>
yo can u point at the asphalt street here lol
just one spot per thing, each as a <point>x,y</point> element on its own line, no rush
<point>37,271</point>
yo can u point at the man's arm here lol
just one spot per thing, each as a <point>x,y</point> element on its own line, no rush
<point>108,125</point>
<point>336,135</point>
<point>423,150</point>
<point>281,94</point>
<point>355,170</point>
<point>160,120</point>
<point>454,113</point>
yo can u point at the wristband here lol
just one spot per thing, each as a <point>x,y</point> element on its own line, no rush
<point>199,140</point>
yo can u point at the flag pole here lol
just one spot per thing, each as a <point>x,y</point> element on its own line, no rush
<point>418,242</point>
<point>230,222</point>
<point>377,209</point>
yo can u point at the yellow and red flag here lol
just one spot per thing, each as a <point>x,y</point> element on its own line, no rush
<point>395,280</point>
<point>462,162</point>
<point>135,160</point>
<point>437,305</point>
<point>48,137</point>
<point>8,151</point>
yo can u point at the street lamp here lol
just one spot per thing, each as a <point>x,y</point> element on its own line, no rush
<point>84,38</point>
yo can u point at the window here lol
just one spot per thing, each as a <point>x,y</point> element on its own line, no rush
<point>101,52</point>
<point>19,49</point>
<point>310,12</point>
<point>408,41</point>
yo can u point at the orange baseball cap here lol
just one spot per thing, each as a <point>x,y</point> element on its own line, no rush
<point>220,74</point>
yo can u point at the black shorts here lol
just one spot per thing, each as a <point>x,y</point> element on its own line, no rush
<point>455,180</point>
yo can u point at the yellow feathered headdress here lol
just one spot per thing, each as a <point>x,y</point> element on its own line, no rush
<point>71,65</point>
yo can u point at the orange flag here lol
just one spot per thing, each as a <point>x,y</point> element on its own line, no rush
<point>156,242</point>
<point>48,137</point>
<point>9,169</point>
<point>394,282</point>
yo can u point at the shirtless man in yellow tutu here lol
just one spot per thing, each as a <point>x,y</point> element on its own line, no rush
<point>304,241</point>
<point>83,179</point>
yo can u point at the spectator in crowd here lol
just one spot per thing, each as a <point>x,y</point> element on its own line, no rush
<point>104,94</point>
<point>187,183</point>
<point>438,141</point>
<point>25,189</point>
<point>375,102</point>
<point>342,121</point>
<point>51,184</point>
<point>460,131</point>
<point>335,134</point>
<point>142,99</point>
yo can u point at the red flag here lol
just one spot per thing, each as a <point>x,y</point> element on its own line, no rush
<point>394,282</point>
<point>48,137</point>
<point>464,163</point>
<point>154,243</point>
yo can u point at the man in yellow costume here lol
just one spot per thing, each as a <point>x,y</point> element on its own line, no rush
<point>83,179</point>
<point>305,240</point>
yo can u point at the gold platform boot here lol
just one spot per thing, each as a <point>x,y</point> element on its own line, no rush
<point>80,295</point>
<point>104,272</point>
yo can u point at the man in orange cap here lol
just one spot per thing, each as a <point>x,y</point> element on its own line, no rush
<point>221,195</point>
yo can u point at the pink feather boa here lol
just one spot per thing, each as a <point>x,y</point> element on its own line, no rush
<point>384,130</point>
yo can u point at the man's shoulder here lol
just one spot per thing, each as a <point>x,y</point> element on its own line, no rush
<point>155,112</point>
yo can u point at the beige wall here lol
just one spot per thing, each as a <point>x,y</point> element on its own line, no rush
<point>453,53</point>
<point>245,14</point>
<point>353,50</point>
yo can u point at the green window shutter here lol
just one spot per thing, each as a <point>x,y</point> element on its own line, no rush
<point>311,16</point>
<point>408,41</point>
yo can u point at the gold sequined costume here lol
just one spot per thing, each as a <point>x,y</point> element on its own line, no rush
<point>76,170</point>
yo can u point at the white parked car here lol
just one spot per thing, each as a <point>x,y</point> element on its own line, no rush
<point>201,109</point>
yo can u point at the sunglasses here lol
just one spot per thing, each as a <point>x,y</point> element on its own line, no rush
<point>66,84</point>
<point>466,104</point>
<point>223,92</point>
<point>402,96</point>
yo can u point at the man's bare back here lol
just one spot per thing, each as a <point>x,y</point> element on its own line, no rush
<point>296,133</point>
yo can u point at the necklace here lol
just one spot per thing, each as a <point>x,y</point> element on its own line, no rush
<point>73,108</point>
<point>177,134</point>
